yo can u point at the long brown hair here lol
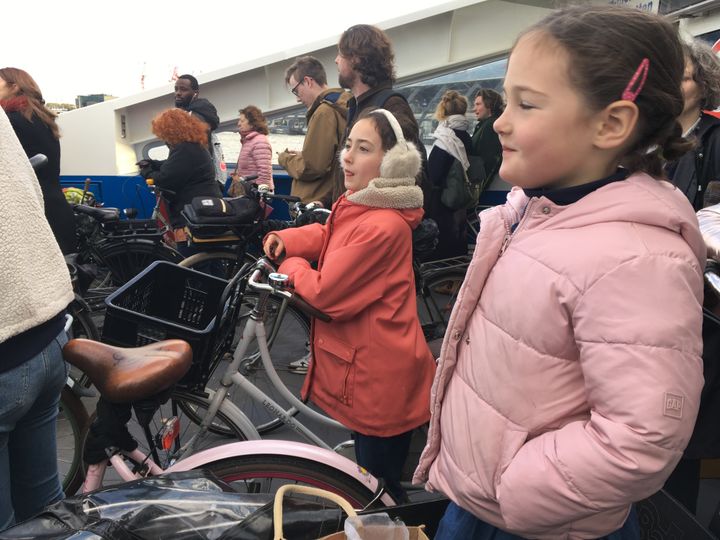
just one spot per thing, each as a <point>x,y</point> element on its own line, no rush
<point>26,86</point>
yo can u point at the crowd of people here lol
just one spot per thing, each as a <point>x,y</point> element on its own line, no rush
<point>565,390</point>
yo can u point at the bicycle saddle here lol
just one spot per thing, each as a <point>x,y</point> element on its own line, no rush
<point>102,215</point>
<point>126,375</point>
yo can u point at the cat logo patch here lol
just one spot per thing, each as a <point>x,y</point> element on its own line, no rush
<point>673,405</point>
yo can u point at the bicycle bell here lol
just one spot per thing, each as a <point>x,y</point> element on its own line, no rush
<point>278,280</point>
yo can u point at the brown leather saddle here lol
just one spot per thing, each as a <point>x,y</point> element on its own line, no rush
<point>126,375</point>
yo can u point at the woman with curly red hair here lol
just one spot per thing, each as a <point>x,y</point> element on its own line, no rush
<point>188,171</point>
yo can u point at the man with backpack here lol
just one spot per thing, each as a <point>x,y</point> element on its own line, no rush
<point>315,168</point>
<point>366,66</point>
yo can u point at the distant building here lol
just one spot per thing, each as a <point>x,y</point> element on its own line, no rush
<point>91,99</point>
<point>60,107</point>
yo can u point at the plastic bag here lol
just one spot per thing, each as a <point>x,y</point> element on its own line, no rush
<point>375,527</point>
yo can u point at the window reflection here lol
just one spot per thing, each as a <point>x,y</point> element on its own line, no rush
<point>287,130</point>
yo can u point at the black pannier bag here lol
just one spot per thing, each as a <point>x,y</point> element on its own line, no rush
<point>213,216</point>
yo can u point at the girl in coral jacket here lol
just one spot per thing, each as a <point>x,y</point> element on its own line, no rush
<point>570,374</point>
<point>371,369</point>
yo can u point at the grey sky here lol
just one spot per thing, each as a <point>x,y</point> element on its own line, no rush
<point>86,47</point>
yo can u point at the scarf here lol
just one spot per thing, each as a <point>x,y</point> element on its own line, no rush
<point>448,141</point>
<point>14,104</point>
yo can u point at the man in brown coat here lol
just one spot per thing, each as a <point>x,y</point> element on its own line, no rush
<point>315,168</point>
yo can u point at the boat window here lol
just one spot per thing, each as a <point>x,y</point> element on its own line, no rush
<point>287,129</point>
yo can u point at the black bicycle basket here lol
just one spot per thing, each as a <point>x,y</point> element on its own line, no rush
<point>167,301</point>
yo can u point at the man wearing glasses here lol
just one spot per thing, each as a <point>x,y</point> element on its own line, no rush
<point>314,169</point>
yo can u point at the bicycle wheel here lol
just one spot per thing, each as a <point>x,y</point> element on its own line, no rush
<point>72,423</point>
<point>83,325</point>
<point>266,473</point>
<point>222,264</point>
<point>127,258</point>
<point>180,404</point>
<point>288,339</point>
<point>436,299</point>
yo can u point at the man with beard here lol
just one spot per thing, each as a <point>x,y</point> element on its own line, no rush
<point>187,90</point>
<point>366,67</point>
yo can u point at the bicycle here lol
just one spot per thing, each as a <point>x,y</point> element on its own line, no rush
<point>230,242</point>
<point>114,250</point>
<point>234,238</point>
<point>437,285</point>
<point>252,465</point>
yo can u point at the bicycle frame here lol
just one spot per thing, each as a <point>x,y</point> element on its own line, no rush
<point>255,328</point>
<point>186,459</point>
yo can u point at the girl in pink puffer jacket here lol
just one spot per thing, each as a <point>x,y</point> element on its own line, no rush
<point>570,375</point>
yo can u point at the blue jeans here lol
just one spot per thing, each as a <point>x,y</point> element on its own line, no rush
<point>29,397</point>
<point>459,523</point>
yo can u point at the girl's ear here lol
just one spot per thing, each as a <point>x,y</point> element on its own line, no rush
<point>616,125</point>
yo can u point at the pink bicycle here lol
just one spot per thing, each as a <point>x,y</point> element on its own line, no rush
<point>146,425</point>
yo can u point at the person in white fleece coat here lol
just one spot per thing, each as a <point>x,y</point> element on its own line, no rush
<point>35,289</point>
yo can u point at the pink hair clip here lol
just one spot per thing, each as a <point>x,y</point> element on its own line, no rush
<point>642,71</point>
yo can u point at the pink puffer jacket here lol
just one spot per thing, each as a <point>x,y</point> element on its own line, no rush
<point>570,375</point>
<point>256,158</point>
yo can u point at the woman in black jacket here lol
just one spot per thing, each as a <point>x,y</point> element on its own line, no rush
<point>188,171</point>
<point>452,142</point>
<point>35,127</point>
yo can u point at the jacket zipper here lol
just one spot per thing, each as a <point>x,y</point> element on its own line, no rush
<point>509,233</point>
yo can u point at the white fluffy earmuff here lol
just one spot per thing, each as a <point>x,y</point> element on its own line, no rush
<point>402,160</point>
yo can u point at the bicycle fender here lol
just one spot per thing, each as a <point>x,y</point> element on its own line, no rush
<point>285,448</point>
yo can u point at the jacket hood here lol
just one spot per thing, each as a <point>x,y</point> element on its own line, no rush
<point>398,193</point>
<point>205,110</point>
<point>639,199</point>
<point>349,202</point>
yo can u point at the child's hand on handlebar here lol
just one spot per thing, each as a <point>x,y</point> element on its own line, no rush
<point>274,247</point>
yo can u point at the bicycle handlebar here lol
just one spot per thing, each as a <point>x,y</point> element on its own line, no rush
<point>153,187</point>
<point>265,267</point>
<point>300,303</point>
